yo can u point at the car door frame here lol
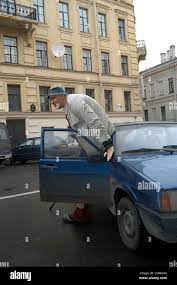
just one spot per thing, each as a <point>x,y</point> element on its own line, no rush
<point>91,181</point>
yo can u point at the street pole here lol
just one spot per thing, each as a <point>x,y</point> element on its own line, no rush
<point>172,65</point>
<point>175,88</point>
<point>102,101</point>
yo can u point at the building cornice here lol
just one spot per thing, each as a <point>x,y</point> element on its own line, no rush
<point>121,3</point>
<point>159,68</point>
<point>43,115</point>
<point>161,98</point>
<point>30,72</point>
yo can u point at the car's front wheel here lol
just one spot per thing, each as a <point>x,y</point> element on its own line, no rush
<point>129,224</point>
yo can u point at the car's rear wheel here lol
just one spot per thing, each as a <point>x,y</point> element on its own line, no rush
<point>129,224</point>
<point>23,161</point>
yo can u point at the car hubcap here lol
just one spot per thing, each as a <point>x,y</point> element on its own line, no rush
<point>129,223</point>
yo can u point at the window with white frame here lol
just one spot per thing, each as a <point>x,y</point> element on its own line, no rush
<point>84,26</point>
<point>87,60</point>
<point>102,25</point>
<point>41,54</point>
<point>63,15</point>
<point>67,58</point>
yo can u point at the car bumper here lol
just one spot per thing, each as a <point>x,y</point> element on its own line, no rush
<point>161,225</point>
<point>6,156</point>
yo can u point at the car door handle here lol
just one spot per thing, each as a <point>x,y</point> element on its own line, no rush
<point>49,166</point>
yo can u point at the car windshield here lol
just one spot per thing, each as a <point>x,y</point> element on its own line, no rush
<point>145,137</point>
<point>3,134</point>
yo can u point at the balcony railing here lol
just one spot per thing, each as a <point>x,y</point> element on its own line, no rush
<point>17,10</point>
<point>141,44</point>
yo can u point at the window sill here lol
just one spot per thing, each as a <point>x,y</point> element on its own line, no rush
<point>66,30</point>
<point>39,66</point>
<point>106,39</point>
<point>41,24</point>
<point>88,72</point>
<point>85,34</point>
<point>123,42</point>
<point>11,63</point>
<point>15,111</point>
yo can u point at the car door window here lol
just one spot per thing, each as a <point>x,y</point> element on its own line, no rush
<point>37,142</point>
<point>3,135</point>
<point>66,144</point>
<point>26,143</point>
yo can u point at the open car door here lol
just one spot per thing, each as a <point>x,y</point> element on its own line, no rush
<point>69,172</point>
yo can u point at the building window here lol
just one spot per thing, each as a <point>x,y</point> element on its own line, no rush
<point>90,93</point>
<point>45,102</point>
<point>121,24</point>
<point>102,25</point>
<point>163,113</point>
<point>108,100</point>
<point>146,115</point>
<point>154,114</point>
<point>63,15</point>
<point>105,63</point>
<point>87,60</point>
<point>145,94</point>
<point>10,50</point>
<point>39,5</point>
<point>67,58</point>
<point>152,90</point>
<point>127,101</point>
<point>171,85</point>
<point>84,27</point>
<point>41,54</point>
<point>161,87</point>
<point>124,62</point>
<point>14,98</point>
<point>69,90</point>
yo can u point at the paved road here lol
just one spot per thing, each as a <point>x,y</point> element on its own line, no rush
<point>32,236</point>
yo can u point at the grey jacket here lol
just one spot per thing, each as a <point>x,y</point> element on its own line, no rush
<point>87,116</point>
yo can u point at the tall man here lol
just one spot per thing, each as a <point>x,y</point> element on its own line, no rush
<point>84,113</point>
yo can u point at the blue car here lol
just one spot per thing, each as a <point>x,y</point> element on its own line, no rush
<point>139,184</point>
<point>27,150</point>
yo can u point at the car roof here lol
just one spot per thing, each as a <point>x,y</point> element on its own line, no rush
<point>144,123</point>
<point>32,138</point>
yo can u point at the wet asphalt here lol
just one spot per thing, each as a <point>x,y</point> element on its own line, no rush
<point>31,235</point>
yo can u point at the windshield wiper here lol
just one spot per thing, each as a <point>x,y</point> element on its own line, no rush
<point>142,150</point>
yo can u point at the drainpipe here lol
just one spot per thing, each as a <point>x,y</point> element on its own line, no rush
<point>102,100</point>
<point>175,88</point>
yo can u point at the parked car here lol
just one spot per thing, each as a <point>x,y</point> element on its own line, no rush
<point>27,150</point>
<point>5,144</point>
<point>139,185</point>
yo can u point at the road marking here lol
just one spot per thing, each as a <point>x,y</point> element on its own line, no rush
<point>18,195</point>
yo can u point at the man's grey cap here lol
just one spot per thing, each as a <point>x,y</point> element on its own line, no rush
<point>56,91</point>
